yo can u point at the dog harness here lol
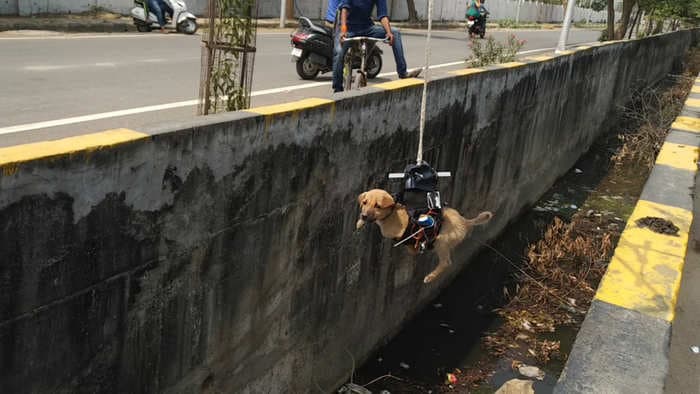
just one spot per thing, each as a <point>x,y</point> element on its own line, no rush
<point>422,229</point>
<point>422,202</point>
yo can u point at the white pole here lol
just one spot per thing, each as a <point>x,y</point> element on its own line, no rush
<point>567,25</point>
<point>283,11</point>
<point>517,13</point>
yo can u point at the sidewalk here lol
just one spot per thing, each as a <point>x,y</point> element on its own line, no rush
<point>113,23</point>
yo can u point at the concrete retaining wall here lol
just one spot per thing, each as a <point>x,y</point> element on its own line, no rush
<point>447,10</point>
<point>221,256</point>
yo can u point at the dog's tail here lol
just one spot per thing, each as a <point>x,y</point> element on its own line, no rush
<point>482,218</point>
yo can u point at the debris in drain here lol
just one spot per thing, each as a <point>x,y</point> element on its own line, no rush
<point>516,386</point>
<point>352,388</point>
<point>451,379</point>
<point>658,225</point>
<point>576,170</point>
<point>530,371</point>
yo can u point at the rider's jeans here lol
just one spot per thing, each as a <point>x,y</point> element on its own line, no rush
<point>159,8</point>
<point>375,31</point>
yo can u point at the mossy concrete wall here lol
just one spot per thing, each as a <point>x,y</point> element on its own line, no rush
<point>221,255</point>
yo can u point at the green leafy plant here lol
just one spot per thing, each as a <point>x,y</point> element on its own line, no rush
<point>507,24</point>
<point>229,55</point>
<point>490,51</point>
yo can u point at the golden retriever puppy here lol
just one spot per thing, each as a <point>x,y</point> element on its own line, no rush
<point>378,206</point>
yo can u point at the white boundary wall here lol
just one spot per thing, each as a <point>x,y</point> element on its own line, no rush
<point>445,10</point>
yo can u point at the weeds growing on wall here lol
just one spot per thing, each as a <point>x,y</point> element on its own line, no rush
<point>490,51</point>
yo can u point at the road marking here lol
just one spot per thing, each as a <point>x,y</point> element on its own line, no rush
<point>189,103</point>
<point>101,64</point>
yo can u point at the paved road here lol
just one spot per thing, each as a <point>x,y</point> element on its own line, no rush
<point>61,85</point>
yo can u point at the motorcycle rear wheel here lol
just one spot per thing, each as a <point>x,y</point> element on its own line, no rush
<point>306,69</point>
<point>142,27</point>
<point>188,26</point>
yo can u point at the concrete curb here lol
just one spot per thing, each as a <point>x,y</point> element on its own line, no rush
<point>623,344</point>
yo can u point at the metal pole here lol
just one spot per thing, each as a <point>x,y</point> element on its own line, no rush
<point>283,11</point>
<point>517,13</point>
<point>567,25</point>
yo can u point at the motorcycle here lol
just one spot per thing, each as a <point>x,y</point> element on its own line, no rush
<point>312,51</point>
<point>184,21</point>
<point>476,26</point>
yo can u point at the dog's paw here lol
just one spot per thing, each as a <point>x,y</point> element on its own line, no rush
<point>360,223</point>
<point>429,278</point>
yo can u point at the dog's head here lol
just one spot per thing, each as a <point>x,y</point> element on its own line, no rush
<point>375,204</point>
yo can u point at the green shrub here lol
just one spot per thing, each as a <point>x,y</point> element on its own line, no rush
<point>490,51</point>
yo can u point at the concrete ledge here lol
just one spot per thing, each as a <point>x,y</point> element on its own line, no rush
<point>623,344</point>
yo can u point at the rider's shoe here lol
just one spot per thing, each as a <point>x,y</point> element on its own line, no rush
<point>411,74</point>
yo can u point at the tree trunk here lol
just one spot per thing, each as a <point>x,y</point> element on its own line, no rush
<point>635,20</point>
<point>627,7</point>
<point>611,19</point>
<point>412,13</point>
<point>650,23</point>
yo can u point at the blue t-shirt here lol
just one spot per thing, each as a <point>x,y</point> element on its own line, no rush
<point>332,8</point>
<point>360,13</point>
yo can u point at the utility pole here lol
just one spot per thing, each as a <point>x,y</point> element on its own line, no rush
<point>567,25</point>
<point>517,13</point>
<point>283,11</point>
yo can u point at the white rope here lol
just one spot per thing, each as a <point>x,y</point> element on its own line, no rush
<point>426,77</point>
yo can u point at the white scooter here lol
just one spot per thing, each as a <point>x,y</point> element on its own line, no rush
<point>184,21</point>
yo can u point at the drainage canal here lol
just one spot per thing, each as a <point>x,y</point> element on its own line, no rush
<point>515,310</point>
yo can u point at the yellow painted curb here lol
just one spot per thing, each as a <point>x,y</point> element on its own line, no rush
<point>539,58</point>
<point>88,142</point>
<point>467,71</point>
<point>683,157</point>
<point>644,274</point>
<point>685,123</point>
<point>691,102</point>
<point>695,89</point>
<point>509,65</point>
<point>290,107</point>
<point>399,83</point>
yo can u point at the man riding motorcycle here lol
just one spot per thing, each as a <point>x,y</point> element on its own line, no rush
<point>355,20</point>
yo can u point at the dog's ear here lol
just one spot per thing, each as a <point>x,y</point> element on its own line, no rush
<point>385,200</point>
<point>361,197</point>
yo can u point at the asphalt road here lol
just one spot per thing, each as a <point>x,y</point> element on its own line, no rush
<point>56,85</point>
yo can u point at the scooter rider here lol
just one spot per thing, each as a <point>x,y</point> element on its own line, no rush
<point>160,7</point>
<point>355,20</point>
<point>476,9</point>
